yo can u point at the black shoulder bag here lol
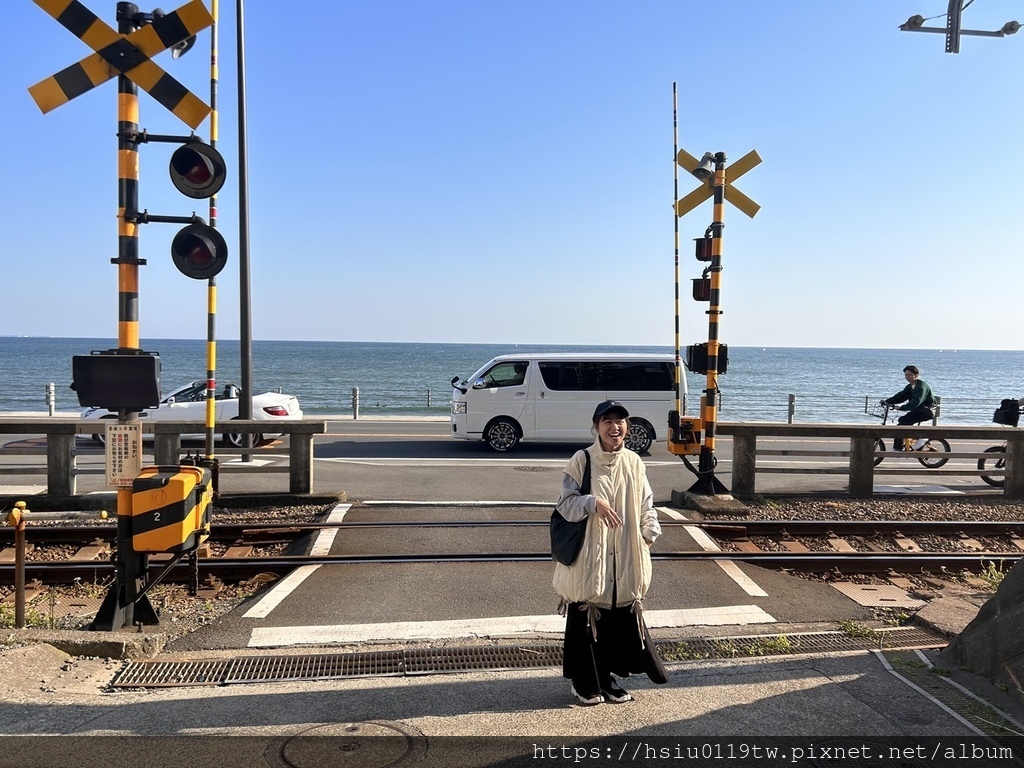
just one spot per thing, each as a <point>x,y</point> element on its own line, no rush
<point>566,537</point>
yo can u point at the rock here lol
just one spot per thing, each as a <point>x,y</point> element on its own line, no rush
<point>992,645</point>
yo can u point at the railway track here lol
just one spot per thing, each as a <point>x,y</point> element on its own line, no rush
<point>238,552</point>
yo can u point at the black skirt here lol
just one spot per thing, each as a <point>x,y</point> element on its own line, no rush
<point>622,647</point>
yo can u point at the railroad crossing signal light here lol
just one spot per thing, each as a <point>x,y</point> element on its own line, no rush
<point>198,170</point>
<point>199,251</point>
<point>697,358</point>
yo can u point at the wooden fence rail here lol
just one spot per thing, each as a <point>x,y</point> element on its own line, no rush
<point>61,471</point>
<point>861,469</point>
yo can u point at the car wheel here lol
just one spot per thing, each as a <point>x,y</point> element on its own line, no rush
<point>502,434</point>
<point>101,437</point>
<point>234,439</point>
<point>639,437</point>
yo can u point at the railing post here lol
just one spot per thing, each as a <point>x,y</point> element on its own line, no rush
<point>51,398</point>
<point>1013,480</point>
<point>166,448</point>
<point>355,402</point>
<point>60,463</point>
<point>744,464</point>
<point>936,410</point>
<point>300,463</point>
<point>862,467</point>
<point>428,397</point>
<point>792,408</point>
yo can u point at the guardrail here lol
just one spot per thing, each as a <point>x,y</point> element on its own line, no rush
<point>61,455</point>
<point>861,470</point>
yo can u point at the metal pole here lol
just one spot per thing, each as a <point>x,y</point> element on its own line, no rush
<point>19,563</point>
<point>127,303</point>
<point>211,286</point>
<point>122,605</point>
<point>244,295</point>
<point>675,220</point>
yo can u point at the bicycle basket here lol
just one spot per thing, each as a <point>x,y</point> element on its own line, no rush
<point>878,411</point>
<point>1007,413</point>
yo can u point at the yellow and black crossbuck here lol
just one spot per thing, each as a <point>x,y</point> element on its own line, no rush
<point>129,55</point>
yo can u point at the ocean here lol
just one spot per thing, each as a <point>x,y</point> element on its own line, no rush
<point>413,379</point>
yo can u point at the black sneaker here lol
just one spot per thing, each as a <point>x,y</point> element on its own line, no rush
<point>587,701</point>
<point>616,695</point>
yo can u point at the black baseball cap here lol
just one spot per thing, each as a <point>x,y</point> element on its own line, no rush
<point>610,405</point>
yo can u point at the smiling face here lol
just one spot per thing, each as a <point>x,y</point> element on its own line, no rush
<point>611,430</point>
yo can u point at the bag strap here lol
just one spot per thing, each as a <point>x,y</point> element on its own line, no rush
<point>585,485</point>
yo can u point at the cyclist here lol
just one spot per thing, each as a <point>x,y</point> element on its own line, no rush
<point>918,397</point>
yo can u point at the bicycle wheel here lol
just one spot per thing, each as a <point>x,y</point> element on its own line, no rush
<point>934,447</point>
<point>994,463</point>
<point>879,449</point>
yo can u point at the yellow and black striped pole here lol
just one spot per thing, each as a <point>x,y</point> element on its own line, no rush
<point>124,605</point>
<point>707,484</point>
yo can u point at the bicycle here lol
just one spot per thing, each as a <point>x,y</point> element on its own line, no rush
<point>931,447</point>
<point>1008,414</point>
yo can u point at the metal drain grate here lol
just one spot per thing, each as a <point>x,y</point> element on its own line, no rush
<point>432,661</point>
<point>265,669</point>
<point>165,674</point>
<point>482,658</point>
<point>810,642</point>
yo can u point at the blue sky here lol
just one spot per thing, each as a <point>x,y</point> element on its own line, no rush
<point>502,172</point>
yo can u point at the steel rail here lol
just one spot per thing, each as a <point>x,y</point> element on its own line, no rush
<point>720,528</point>
<point>240,569</point>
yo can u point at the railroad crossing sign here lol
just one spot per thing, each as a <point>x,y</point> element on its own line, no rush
<point>687,203</point>
<point>129,55</point>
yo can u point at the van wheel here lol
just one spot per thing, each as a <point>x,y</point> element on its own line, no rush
<point>639,437</point>
<point>502,435</point>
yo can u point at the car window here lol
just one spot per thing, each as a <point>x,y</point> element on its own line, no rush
<point>508,374</point>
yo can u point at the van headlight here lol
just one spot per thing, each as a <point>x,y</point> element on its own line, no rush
<point>458,408</point>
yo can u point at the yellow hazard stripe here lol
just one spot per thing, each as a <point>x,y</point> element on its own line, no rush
<point>94,69</point>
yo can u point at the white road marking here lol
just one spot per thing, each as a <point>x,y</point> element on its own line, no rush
<point>280,591</point>
<point>255,463</point>
<point>671,513</point>
<point>325,539</point>
<point>405,503</point>
<point>730,568</point>
<point>269,637</point>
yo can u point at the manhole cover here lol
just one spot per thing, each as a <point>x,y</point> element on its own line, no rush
<point>361,745</point>
<point>877,595</point>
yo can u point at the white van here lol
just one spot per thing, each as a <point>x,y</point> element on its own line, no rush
<point>551,397</point>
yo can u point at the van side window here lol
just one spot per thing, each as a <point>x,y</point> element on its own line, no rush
<point>507,375</point>
<point>597,376</point>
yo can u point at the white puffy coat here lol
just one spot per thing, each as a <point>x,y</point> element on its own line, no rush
<point>611,558</point>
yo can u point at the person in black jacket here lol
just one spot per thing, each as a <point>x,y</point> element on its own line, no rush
<point>918,398</point>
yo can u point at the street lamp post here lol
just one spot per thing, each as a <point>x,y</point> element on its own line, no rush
<point>953,29</point>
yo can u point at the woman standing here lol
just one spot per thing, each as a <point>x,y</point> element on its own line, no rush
<point>602,591</point>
